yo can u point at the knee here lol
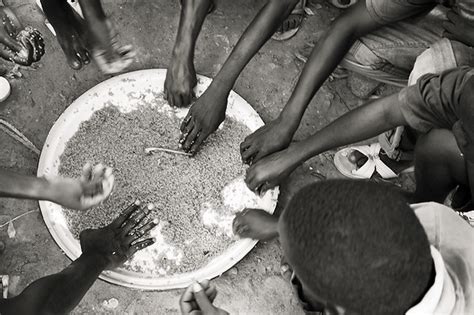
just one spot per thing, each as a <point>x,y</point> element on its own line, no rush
<point>437,146</point>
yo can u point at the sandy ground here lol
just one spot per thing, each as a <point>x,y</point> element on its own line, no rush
<point>254,286</point>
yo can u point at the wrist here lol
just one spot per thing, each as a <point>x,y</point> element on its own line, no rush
<point>298,152</point>
<point>100,260</point>
<point>42,189</point>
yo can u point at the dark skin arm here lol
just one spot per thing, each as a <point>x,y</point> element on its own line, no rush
<point>360,124</point>
<point>208,112</point>
<point>326,55</point>
<point>181,76</point>
<point>104,248</point>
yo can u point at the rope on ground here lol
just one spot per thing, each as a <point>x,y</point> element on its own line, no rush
<point>18,217</point>
<point>10,130</point>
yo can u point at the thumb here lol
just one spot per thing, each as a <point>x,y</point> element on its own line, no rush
<point>202,300</point>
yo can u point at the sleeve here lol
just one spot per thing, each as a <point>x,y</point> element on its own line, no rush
<point>389,11</point>
<point>434,100</point>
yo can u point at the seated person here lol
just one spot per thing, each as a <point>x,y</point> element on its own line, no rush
<point>105,248</point>
<point>22,45</point>
<point>440,107</point>
<point>358,247</point>
<point>90,38</point>
<point>394,41</point>
<point>94,186</point>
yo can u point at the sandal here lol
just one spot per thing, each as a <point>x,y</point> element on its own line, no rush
<point>343,4</point>
<point>371,166</point>
<point>298,11</point>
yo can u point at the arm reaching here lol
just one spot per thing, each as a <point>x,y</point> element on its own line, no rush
<point>208,112</point>
<point>360,124</point>
<point>94,186</point>
<point>181,76</point>
<point>104,248</point>
<point>326,55</point>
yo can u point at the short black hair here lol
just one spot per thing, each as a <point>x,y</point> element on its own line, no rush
<point>358,244</point>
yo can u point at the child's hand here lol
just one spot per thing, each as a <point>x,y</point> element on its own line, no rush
<point>459,29</point>
<point>203,118</point>
<point>180,82</point>
<point>122,238</point>
<point>197,300</point>
<point>270,171</point>
<point>94,186</point>
<point>271,138</point>
<point>256,224</point>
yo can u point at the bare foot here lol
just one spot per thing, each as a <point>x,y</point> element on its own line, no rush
<point>20,45</point>
<point>69,28</point>
<point>255,224</point>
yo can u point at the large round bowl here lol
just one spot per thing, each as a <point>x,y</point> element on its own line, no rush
<point>127,92</point>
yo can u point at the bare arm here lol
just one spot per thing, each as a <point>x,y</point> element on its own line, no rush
<point>326,55</point>
<point>257,33</point>
<point>94,186</point>
<point>208,111</point>
<point>360,124</point>
<point>103,248</point>
<point>14,185</point>
<point>58,293</point>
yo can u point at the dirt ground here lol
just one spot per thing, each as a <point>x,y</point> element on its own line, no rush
<point>41,94</point>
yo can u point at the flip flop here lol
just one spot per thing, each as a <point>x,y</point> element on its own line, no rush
<point>298,10</point>
<point>343,4</point>
<point>373,165</point>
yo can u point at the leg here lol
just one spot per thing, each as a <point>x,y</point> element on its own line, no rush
<point>438,169</point>
<point>389,54</point>
<point>69,28</point>
<point>181,76</point>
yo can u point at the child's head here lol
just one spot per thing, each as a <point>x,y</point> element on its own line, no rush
<point>464,128</point>
<point>357,246</point>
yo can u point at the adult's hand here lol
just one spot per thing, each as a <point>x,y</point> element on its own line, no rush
<point>122,238</point>
<point>273,137</point>
<point>197,299</point>
<point>270,171</point>
<point>94,186</point>
<point>203,118</point>
<point>180,81</point>
<point>459,29</point>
